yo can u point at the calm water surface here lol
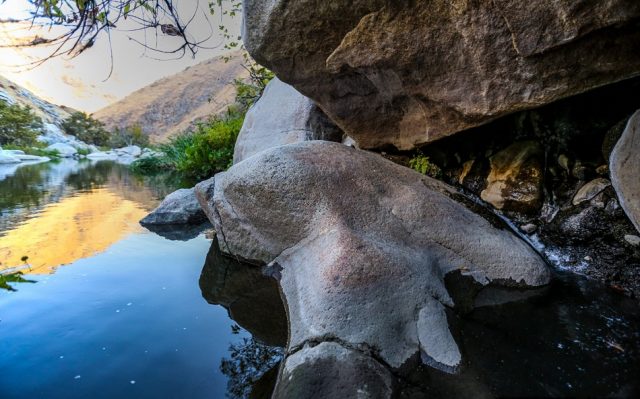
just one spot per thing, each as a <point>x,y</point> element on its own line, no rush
<point>107,309</point>
<point>110,309</point>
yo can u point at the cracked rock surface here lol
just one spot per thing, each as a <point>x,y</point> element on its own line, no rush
<point>405,73</point>
<point>362,247</point>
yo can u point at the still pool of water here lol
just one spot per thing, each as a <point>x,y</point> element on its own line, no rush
<point>107,309</point>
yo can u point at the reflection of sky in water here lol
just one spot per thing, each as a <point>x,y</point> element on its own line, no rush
<point>57,213</point>
<point>125,317</point>
<point>131,313</point>
<point>77,227</point>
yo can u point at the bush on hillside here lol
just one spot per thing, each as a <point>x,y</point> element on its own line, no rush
<point>131,135</point>
<point>18,125</point>
<point>87,129</point>
<point>208,149</point>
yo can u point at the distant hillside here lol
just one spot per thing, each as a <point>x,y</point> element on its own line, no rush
<point>174,103</point>
<point>50,113</point>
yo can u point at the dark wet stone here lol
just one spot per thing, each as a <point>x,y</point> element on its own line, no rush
<point>179,207</point>
<point>329,371</point>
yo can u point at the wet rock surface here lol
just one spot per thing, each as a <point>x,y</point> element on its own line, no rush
<point>179,207</point>
<point>515,177</point>
<point>351,235</point>
<point>406,73</point>
<point>282,116</point>
<point>330,370</point>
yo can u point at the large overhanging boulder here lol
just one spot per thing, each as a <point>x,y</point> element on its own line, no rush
<point>362,247</point>
<point>405,73</point>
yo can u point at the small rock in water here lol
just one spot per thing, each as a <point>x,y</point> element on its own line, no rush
<point>529,228</point>
<point>633,240</point>
<point>588,258</point>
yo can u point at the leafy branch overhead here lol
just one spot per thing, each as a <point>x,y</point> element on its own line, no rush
<point>83,21</point>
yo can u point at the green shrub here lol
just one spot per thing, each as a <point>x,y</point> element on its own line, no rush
<point>211,149</point>
<point>150,165</point>
<point>84,151</point>
<point>420,163</point>
<point>87,129</point>
<point>208,148</point>
<point>18,124</point>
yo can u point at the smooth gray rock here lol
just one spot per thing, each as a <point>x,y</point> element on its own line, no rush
<point>8,158</point>
<point>352,235</point>
<point>132,150</point>
<point>13,152</point>
<point>352,375</point>
<point>99,156</point>
<point>625,169</point>
<point>404,73</point>
<point>179,207</point>
<point>633,240</point>
<point>590,190</point>
<point>282,116</point>
<point>65,150</point>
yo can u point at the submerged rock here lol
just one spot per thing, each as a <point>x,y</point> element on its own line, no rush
<point>625,169</point>
<point>282,116</point>
<point>515,178</point>
<point>179,207</point>
<point>352,235</point>
<point>404,73</point>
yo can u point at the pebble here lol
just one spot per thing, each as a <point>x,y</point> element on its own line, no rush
<point>529,228</point>
<point>633,240</point>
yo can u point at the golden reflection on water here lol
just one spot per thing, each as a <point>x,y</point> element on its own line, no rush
<point>74,228</point>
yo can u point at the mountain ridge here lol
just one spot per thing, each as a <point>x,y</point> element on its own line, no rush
<point>175,103</point>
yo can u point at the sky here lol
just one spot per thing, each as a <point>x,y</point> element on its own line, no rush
<point>83,82</point>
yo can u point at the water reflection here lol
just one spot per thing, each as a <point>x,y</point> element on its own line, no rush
<point>251,298</point>
<point>55,213</point>
<point>253,301</point>
<point>77,227</point>
<point>578,340</point>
